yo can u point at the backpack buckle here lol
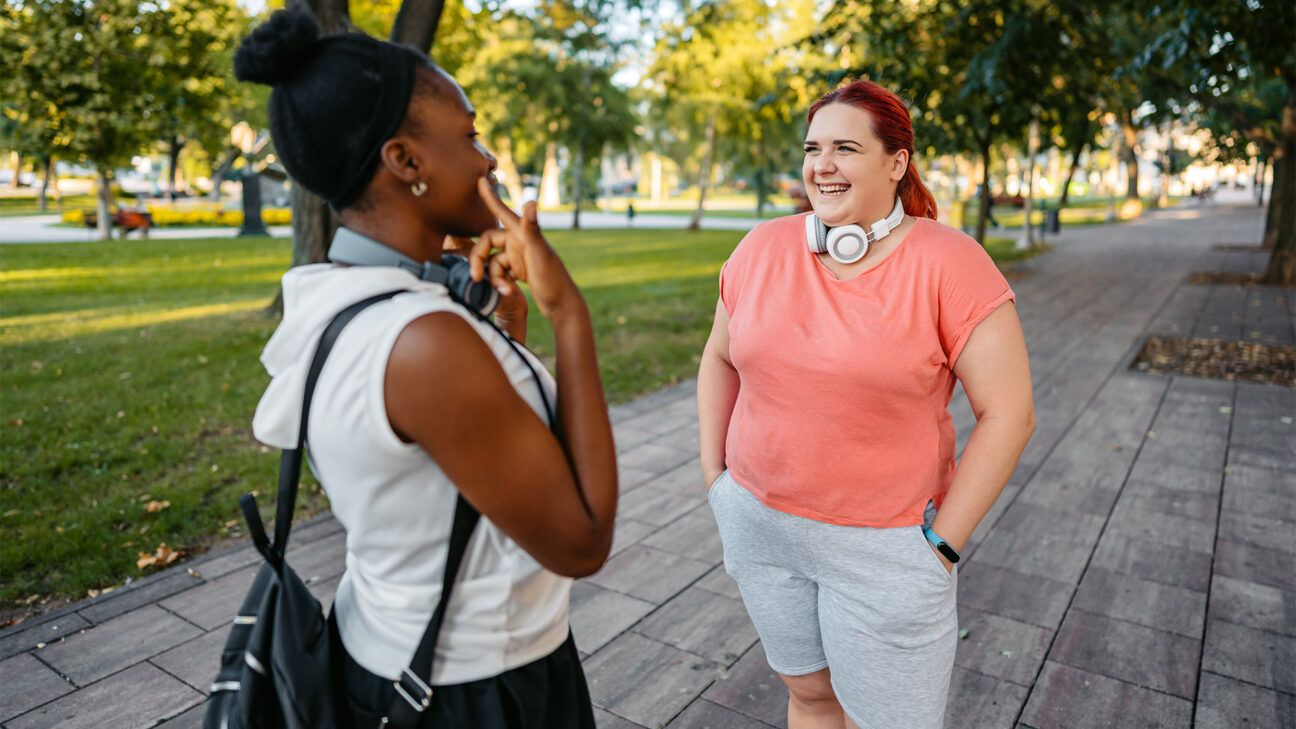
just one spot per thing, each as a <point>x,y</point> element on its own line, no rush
<point>409,686</point>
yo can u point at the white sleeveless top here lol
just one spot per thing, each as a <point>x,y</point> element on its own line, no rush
<point>397,504</point>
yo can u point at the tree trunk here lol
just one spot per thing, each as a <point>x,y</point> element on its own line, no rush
<point>334,16</point>
<point>17,170</point>
<point>1282,262</point>
<point>1075,165</point>
<point>549,196</point>
<point>1129,153</point>
<point>173,159</point>
<point>578,185</point>
<point>1257,181</point>
<point>512,180</point>
<point>705,176</point>
<point>416,24</point>
<point>1032,147</point>
<point>45,183</point>
<point>983,205</point>
<point>103,203</point>
<point>1270,238</point>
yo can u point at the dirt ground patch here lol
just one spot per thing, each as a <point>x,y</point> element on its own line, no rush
<point>1218,359</point>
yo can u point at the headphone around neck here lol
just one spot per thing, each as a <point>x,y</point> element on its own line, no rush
<point>454,272</point>
<point>848,243</point>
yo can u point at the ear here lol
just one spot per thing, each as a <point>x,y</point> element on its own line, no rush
<point>899,165</point>
<point>401,160</point>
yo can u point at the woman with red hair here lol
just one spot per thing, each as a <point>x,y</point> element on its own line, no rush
<point>825,434</point>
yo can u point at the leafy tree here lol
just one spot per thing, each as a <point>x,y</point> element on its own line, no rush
<point>1223,47</point>
<point>723,80</point>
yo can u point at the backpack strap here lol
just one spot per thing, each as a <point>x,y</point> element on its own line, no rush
<point>290,462</point>
<point>413,688</point>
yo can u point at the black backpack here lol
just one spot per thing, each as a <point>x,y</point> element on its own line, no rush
<point>282,664</point>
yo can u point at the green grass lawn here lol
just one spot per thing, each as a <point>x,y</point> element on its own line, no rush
<point>129,373</point>
<point>27,205</point>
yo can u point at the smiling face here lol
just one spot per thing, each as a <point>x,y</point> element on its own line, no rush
<point>848,175</point>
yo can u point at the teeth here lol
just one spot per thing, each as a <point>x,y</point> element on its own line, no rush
<point>833,190</point>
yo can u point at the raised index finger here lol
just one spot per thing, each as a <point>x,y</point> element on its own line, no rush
<point>487,191</point>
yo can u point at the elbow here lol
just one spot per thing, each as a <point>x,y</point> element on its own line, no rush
<point>583,560</point>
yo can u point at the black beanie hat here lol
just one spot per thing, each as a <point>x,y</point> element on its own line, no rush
<point>336,99</point>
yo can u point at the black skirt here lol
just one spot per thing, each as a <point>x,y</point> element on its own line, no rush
<point>548,693</point>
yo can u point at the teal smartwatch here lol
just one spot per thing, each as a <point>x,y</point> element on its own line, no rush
<point>941,545</point>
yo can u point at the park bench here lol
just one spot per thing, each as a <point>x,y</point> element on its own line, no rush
<point>127,220</point>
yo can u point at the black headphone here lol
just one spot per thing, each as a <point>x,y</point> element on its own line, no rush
<point>454,272</point>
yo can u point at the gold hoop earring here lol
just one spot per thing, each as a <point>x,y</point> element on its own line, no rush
<point>418,188</point>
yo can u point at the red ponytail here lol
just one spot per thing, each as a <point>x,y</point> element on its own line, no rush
<point>892,126</point>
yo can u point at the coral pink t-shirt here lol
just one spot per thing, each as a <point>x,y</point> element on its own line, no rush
<point>842,411</point>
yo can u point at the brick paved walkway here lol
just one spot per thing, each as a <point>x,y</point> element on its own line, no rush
<point>1138,571</point>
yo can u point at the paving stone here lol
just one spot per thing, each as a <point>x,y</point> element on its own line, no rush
<point>599,615</point>
<point>693,535</point>
<point>685,479</point>
<point>630,478</point>
<point>1152,604</point>
<point>751,687</point>
<point>319,560</point>
<point>649,574</point>
<point>653,458</point>
<point>645,681</point>
<point>1167,530</point>
<point>702,623</point>
<point>1175,476</point>
<point>1253,605</point>
<point>978,700</point>
<point>605,720</point>
<point>1225,703</point>
<point>1259,531</point>
<point>1246,455</point>
<point>1148,560</point>
<point>1257,502</point>
<point>1260,478</point>
<point>703,714</point>
<point>1028,598</point>
<point>191,719</point>
<point>28,683</point>
<point>1082,497</point>
<point>658,507</point>
<point>230,561</point>
<point>1033,551</point>
<point>117,643</point>
<point>628,532</point>
<point>1175,502</point>
<point>24,637</point>
<point>1076,699</point>
<point>719,582</point>
<point>140,696</point>
<point>123,600</point>
<point>1256,656</point>
<point>1257,564</point>
<point>1129,652</point>
<point>1001,647</point>
<point>197,661</point>
<point>215,603</point>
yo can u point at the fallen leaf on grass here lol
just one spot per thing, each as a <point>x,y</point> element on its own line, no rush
<point>154,507</point>
<point>161,557</point>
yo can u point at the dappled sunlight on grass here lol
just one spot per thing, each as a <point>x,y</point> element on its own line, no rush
<point>65,325</point>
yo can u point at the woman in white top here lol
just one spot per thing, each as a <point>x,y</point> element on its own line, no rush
<point>422,400</point>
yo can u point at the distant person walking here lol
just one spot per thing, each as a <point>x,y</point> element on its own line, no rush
<point>825,436</point>
<point>630,215</point>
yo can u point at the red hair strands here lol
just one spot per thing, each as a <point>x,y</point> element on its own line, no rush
<point>891,124</point>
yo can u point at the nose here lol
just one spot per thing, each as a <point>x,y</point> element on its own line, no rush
<point>491,163</point>
<point>824,165</point>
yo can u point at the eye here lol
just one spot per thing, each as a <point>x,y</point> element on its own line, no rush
<point>809,148</point>
<point>845,148</point>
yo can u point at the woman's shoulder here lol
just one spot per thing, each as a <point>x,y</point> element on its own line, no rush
<point>772,234</point>
<point>940,245</point>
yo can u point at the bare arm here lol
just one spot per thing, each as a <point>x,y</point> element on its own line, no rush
<point>717,392</point>
<point>555,496</point>
<point>995,372</point>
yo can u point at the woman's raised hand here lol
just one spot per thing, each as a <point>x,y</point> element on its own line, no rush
<point>518,251</point>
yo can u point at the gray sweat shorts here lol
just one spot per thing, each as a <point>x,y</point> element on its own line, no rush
<point>875,606</point>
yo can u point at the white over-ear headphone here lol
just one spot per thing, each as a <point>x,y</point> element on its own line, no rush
<point>849,243</point>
